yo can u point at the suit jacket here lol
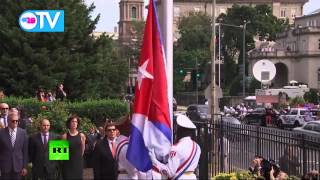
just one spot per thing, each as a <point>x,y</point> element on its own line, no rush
<point>39,155</point>
<point>2,121</point>
<point>105,166</point>
<point>13,158</point>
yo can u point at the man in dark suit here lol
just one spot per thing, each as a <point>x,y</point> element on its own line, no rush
<point>105,165</point>
<point>4,109</point>
<point>42,168</point>
<point>13,149</point>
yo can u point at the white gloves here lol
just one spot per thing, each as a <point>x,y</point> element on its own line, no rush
<point>153,158</point>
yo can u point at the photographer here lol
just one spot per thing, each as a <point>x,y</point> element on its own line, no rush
<point>256,165</point>
<point>266,168</point>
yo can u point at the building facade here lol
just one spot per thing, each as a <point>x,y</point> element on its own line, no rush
<point>296,53</point>
<point>281,8</point>
<point>130,10</point>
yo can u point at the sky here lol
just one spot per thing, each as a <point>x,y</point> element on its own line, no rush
<point>109,12</point>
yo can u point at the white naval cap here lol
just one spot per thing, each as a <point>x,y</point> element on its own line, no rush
<point>184,121</point>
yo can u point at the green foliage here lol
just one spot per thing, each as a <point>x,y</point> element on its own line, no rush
<point>262,24</point>
<point>94,111</point>
<point>242,175</point>
<point>296,101</point>
<point>195,31</point>
<point>88,67</point>
<point>57,114</point>
<point>235,86</point>
<point>98,110</point>
<point>192,48</point>
<point>195,37</point>
<point>311,96</point>
<point>254,84</point>
<point>234,176</point>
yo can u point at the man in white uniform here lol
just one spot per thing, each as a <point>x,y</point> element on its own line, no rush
<point>125,168</point>
<point>184,155</point>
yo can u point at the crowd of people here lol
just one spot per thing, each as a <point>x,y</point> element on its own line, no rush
<point>48,96</point>
<point>269,169</point>
<point>103,149</point>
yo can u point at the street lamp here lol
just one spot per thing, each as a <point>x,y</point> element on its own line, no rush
<point>244,26</point>
<point>244,58</point>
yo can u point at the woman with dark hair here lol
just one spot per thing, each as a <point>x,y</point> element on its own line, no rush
<point>73,168</point>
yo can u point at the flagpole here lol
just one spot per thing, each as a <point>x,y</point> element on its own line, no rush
<point>213,62</point>
<point>166,16</point>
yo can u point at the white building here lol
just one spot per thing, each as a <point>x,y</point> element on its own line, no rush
<point>296,53</point>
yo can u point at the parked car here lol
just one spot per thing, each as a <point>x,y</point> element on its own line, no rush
<point>198,112</point>
<point>297,117</point>
<point>309,129</point>
<point>257,116</point>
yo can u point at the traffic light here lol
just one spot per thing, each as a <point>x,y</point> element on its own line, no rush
<point>181,71</point>
<point>198,75</point>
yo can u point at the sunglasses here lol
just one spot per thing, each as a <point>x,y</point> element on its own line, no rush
<point>14,121</point>
<point>111,130</point>
<point>5,108</point>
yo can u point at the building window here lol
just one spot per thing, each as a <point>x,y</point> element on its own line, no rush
<point>283,12</point>
<point>319,44</point>
<point>196,9</point>
<point>176,11</point>
<point>293,12</point>
<point>133,13</point>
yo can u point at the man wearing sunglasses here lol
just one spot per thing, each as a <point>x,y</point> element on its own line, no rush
<point>14,149</point>
<point>4,109</point>
<point>104,164</point>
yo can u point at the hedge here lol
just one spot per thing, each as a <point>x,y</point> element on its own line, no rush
<point>90,111</point>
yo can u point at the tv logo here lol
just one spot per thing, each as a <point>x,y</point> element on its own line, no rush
<point>58,150</point>
<point>42,21</point>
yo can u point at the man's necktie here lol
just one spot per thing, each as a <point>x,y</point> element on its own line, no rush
<point>113,149</point>
<point>45,141</point>
<point>12,138</point>
<point>5,122</point>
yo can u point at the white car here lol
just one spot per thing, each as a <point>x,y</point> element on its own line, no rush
<point>296,117</point>
<point>309,129</point>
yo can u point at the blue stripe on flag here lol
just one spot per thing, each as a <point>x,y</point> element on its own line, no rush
<point>138,154</point>
<point>164,129</point>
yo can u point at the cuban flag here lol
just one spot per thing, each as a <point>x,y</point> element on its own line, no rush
<point>150,124</point>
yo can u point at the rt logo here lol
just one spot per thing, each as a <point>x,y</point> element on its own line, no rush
<point>58,150</point>
<point>42,21</point>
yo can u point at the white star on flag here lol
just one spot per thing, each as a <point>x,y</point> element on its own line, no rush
<point>143,73</point>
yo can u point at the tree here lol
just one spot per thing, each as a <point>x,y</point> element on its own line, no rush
<point>261,24</point>
<point>84,64</point>
<point>312,96</point>
<point>191,51</point>
<point>195,38</point>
